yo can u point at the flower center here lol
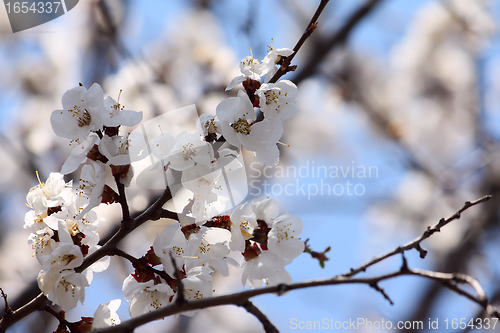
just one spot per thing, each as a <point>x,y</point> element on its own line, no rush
<point>189,151</point>
<point>66,285</point>
<point>241,126</point>
<point>83,117</point>
<point>210,126</point>
<point>271,97</point>
<point>68,258</point>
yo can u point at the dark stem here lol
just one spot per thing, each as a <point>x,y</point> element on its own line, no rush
<point>38,303</point>
<point>62,321</point>
<point>7,307</point>
<point>180,287</point>
<point>153,213</point>
<point>9,319</point>
<point>380,290</point>
<point>284,68</point>
<point>123,200</point>
<point>137,262</point>
<point>337,39</point>
<point>167,214</point>
<point>450,280</point>
<point>251,308</point>
<point>415,244</point>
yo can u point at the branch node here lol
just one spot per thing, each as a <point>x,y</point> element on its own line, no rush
<point>421,251</point>
<point>375,286</point>
<point>251,308</point>
<point>167,214</point>
<point>281,289</point>
<point>404,265</point>
<point>7,309</point>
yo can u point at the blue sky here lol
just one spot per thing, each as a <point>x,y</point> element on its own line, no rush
<point>338,222</point>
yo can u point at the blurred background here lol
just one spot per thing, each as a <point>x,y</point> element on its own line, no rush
<point>405,90</point>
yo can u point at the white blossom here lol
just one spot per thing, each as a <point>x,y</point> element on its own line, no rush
<point>212,251</point>
<point>115,115</point>
<point>208,125</point>
<point>188,150</point>
<point>201,179</point>
<point>64,257</point>
<point>262,267</point>
<point>105,315</point>
<point>173,242</point>
<point>41,241</point>
<point>92,180</point>
<point>269,62</point>
<point>283,237</point>
<point>69,289</point>
<point>238,126</point>
<point>277,100</point>
<point>197,285</point>
<point>82,112</point>
<point>266,210</point>
<point>250,68</point>
<point>79,153</point>
<point>55,192</point>
<point>241,229</point>
<point>115,149</point>
<point>162,145</point>
<point>144,297</point>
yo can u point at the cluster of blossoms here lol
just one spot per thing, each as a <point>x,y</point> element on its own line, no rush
<point>62,220</point>
<point>252,120</point>
<point>241,125</point>
<point>260,242</point>
<point>206,237</point>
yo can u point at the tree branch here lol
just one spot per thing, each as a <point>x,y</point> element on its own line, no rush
<point>313,23</point>
<point>152,213</point>
<point>323,48</point>
<point>136,262</point>
<point>123,200</point>
<point>449,280</point>
<point>251,308</point>
<point>241,297</point>
<point>415,244</point>
<point>62,321</point>
<point>36,304</point>
<point>167,214</point>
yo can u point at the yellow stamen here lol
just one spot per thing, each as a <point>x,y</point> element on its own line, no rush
<point>284,144</point>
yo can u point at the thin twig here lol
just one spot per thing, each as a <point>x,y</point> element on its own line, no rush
<point>38,303</point>
<point>7,308</point>
<point>62,321</point>
<point>337,39</point>
<point>415,244</point>
<point>482,313</point>
<point>167,214</point>
<point>153,213</point>
<point>137,262</point>
<point>241,297</point>
<point>180,287</point>
<point>382,291</point>
<point>123,200</point>
<point>313,23</point>
<point>251,308</point>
